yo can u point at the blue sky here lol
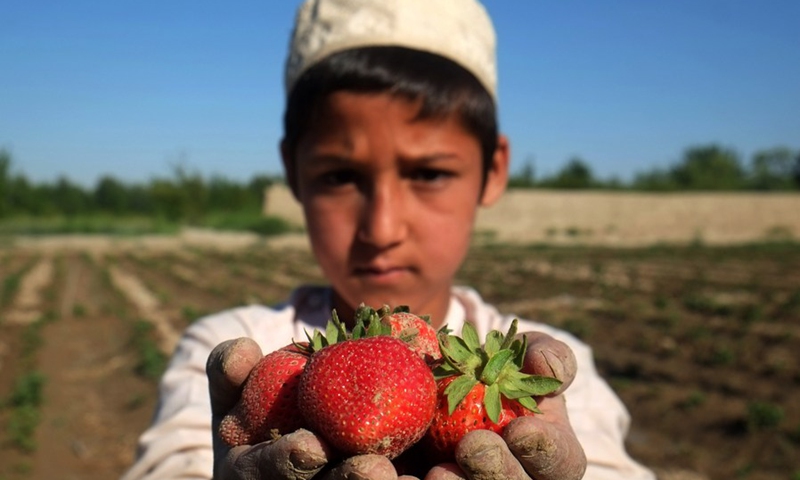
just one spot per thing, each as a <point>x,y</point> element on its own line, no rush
<point>130,88</point>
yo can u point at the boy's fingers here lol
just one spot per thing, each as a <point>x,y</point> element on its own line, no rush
<point>546,444</point>
<point>296,456</point>
<point>227,368</point>
<point>551,358</point>
<point>484,455</point>
<point>446,471</point>
<point>366,467</point>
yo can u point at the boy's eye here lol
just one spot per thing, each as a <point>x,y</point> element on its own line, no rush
<point>430,175</point>
<point>337,178</point>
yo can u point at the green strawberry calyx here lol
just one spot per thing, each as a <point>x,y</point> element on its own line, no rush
<point>497,364</point>
<point>367,324</point>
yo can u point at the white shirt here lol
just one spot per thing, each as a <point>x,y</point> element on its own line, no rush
<point>178,443</point>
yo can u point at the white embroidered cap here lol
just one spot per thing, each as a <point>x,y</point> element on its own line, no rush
<point>459,30</point>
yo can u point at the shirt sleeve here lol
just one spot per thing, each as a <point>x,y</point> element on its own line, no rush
<point>601,423</point>
<point>178,443</point>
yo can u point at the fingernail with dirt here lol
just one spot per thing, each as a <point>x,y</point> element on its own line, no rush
<point>551,361</point>
<point>309,453</point>
<point>484,460</point>
<point>239,357</point>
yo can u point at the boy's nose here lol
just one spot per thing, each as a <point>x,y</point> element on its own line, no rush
<point>383,222</point>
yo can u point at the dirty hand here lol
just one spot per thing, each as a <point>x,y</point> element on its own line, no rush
<point>297,456</point>
<point>542,447</point>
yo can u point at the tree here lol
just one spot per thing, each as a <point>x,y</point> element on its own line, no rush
<point>658,180</point>
<point>68,198</point>
<point>576,174</point>
<point>526,177</point>
<point>709,167</point>
<point>110,195</point>
<point>772,169</point>
<point>5,165</point>
<point>796,172</point>
<point>227,195</point>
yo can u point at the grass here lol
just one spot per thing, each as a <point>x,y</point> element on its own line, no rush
<point>25,400</point>
<point>151,361</point>
<point>245,221</point>
<point>191,314</point>
<point>693,400</point>
<point>578,326</point>
<point>254,222</point>
<point>764,415</point>
<point>86,224</point>
<point>27,395</point>
<point>78,310</point>
<point>10,286</point>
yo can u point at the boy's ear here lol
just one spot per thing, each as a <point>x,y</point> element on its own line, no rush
<point>289,169</point>
<point>497,176</point>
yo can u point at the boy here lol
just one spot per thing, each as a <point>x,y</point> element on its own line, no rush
<point>390,145</point>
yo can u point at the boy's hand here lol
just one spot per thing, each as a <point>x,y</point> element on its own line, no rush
<point>297,456</point>
<point>542,447</point>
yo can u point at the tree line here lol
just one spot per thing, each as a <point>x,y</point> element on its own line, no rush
<point>188,196</point>
<point>703,167</point>
<point>184,196</point>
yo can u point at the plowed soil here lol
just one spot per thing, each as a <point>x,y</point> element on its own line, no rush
<point>701,343</point>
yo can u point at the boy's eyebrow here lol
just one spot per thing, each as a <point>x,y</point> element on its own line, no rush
<point>431,157</point>
<point>331,159</point>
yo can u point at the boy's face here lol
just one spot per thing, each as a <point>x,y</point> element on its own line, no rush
<point>390,200</point>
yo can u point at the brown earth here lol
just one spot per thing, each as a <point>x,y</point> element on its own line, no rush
<point>701,343</point>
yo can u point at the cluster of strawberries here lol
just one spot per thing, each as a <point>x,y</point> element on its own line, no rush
<point>389,384</point>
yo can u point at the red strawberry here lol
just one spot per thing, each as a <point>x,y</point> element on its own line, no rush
<point>368,395</point>
<point>481,387</point>
<point>418,330</point>
<point>447,428</point>
<point>269,400</point>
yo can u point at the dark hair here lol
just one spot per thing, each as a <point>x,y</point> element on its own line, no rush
<point>443,86</point>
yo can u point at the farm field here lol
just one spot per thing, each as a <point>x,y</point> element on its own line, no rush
<point>701,343</point>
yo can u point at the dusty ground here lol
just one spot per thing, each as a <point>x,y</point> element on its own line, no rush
<point>701,343</point>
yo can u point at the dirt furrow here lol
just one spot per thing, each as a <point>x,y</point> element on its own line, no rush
<point>88,432</point>
<point>26,307</point>
<point>233,281</point>
<point>147,306</point>
<point>185,292</point>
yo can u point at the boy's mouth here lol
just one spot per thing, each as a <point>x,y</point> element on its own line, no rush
<point>381,274</point>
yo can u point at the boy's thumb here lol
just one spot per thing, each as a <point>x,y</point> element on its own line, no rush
<point>227,368</point>
<point>551,358</point>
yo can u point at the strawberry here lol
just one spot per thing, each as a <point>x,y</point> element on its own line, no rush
<point>481,387</point>
<point>367,394</point>
<point>268,404</point>
<point>418,330</point>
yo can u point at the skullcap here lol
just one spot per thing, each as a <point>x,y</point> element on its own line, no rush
<point>459,30</point>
